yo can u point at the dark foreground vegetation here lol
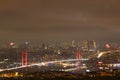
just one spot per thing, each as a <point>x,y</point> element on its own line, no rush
<point>62,78</point>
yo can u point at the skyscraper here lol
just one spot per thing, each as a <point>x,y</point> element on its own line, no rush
<point>73,43</point>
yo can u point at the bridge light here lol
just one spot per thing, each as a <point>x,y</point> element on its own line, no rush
<point>43,64</point>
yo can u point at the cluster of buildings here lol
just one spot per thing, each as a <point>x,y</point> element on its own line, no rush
<point>100,57</point>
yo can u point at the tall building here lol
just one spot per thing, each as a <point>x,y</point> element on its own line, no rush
<point>94,44</point>
<point>89,45</point>
<point>85,45</point>
<point>73,44</point>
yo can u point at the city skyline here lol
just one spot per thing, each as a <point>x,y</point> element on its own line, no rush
<point>63,20</point>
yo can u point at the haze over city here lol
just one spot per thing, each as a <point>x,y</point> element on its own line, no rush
<point>59,20</point>
<point>59,39</point>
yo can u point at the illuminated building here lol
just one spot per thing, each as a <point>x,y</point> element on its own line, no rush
<point>73,43</point>
<point>89,45</point>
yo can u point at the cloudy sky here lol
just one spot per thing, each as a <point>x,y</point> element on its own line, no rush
<point>59,20</point>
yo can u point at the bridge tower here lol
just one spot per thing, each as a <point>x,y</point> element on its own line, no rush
<point>78,56</point>
<point>24,58</point>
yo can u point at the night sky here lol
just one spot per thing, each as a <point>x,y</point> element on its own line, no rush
<point>59,20</point>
